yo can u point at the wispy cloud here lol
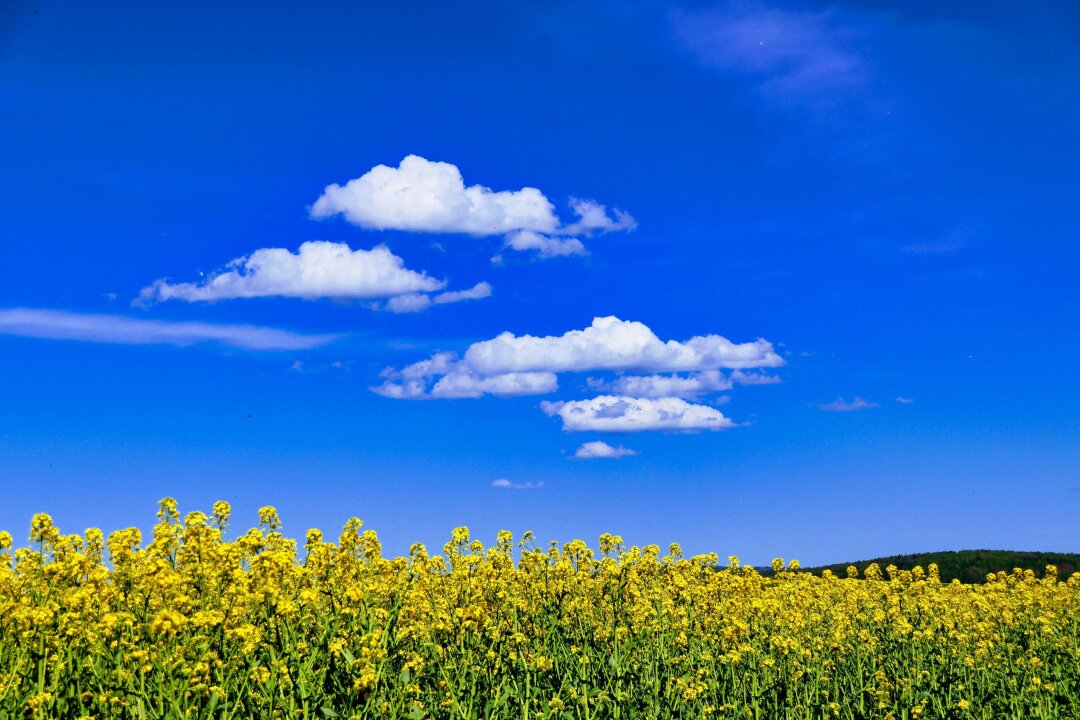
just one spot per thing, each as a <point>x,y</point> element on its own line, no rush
<point>692,385</point>
<point>505,484</point>
<point>121,330</point>
<point>950,243</point>
<point>931,248</point>
<point>904,401</point>
<point>415,302</point>
<point>841,405</point>
<point>340,367</point>
<point>790,54</point>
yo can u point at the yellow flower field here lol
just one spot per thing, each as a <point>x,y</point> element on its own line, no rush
<point>192,625</point>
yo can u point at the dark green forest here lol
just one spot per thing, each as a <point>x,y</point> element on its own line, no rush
<point>969,566</point>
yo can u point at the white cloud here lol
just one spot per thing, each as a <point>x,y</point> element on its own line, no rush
<point>61,325</point>
<point>904,400</point>
<point>545,246</point>
<point>841,405</point>
<point>685,386</point>
<point>753,378</point>
<point>593,217</point>
<point>654,386</point>
<point>614,344</point>
<point>462,384</point>
<point>607,344</point>
<point>438,364</point>
<point>455,381</point>
<point>613,413</point>
<point>319,269</point>
<point>415,302</point>
<point>511,365</point>
<point>425,196</point>
<point>600,449</point>
<point>505,484</point>
<point>479,291</point>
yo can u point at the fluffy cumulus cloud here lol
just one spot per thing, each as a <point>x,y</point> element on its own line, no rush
<point>598,449</point>
<point>117,329</point>
<point>516,365</point>
<point>842,405</point>
<point>614,413</point>
<point>613,344</point>
<point>528,365</point>
<point>425,196</point>
<point>318,269</point>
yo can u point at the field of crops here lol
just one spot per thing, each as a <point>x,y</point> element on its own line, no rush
<point>192,624</point>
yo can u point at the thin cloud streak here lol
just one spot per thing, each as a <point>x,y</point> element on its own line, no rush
<point>504,484</point>
<point>841,405</point>
<point>950,243</point>
<point>121,330</point>
<point>791,54</point>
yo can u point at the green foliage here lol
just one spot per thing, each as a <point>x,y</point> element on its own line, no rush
<point>967,566</point>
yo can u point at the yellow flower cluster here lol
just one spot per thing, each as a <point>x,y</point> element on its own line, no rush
<point>196,625</point>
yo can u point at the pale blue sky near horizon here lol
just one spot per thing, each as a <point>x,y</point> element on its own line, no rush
<point>885,193</point>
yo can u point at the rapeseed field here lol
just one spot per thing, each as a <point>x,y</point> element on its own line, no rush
<point>192,624</point>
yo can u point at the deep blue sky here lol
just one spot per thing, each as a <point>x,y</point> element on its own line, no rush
<point>886,191</point>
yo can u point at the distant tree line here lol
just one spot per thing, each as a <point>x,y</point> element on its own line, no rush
<point>969,566</point>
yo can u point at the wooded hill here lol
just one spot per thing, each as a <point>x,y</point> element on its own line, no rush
<point>969,566</point>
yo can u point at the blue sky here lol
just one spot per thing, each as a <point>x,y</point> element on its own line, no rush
<point>788,217</point>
